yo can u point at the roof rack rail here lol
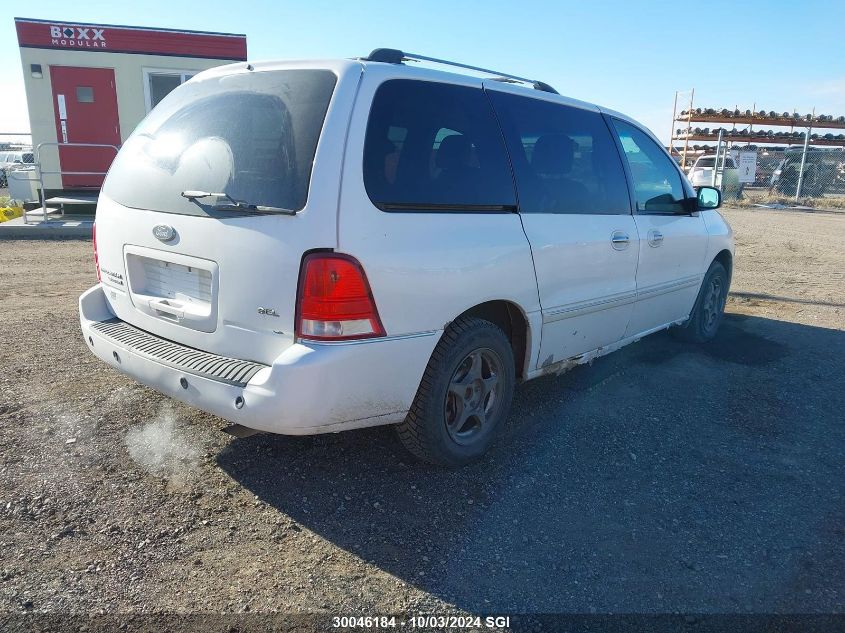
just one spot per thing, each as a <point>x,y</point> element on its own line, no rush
<point>395,56</point>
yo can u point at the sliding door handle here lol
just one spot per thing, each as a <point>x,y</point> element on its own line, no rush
<point>655,238</point>
<point>619,240</point>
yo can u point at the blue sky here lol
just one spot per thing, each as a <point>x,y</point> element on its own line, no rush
<point>627,55</point>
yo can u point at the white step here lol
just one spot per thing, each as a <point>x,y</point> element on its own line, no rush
<point>39,211</point>
<point>76,199</point>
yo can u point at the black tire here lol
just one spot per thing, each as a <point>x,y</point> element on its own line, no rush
<point>451,430</point>
<point>709,308</point>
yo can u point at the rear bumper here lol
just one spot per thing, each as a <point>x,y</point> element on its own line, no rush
<point>310,388</point>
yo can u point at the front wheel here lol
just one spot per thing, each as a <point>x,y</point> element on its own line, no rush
<point>709,308</point>
<point>464,396</point>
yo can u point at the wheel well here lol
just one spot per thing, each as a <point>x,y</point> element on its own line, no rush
<point>726,259</point>
<point>509,317</point>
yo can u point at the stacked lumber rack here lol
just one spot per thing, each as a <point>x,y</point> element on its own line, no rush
<point>798,126</point>
<point>824,130</point>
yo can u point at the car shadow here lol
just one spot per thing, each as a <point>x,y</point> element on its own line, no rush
<point>664,477</point>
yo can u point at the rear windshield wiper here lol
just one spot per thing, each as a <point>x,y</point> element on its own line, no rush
<point>236,205</point>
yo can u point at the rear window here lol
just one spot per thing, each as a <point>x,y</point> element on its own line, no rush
<point>708,161</point>
<point>435,147</point>
<point>252,136</point>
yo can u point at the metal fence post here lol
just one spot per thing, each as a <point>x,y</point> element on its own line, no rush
<point>689,124</point>
<point>803,161</point>
<point>716,157</point>
<point>672,131</point>
<point>41,185</point>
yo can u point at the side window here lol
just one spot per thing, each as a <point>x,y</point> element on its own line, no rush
<point>564,158</point>
<point>432,146</point>
<point>657,183</point>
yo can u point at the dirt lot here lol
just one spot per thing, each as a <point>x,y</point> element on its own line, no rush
<point>665,477</point>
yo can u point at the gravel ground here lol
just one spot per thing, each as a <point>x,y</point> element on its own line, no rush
<point>662,478</point>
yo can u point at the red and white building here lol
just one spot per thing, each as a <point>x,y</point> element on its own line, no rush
<point>93,83</point>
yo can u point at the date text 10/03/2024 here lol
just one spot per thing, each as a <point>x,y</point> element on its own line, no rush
<point>420,622</point>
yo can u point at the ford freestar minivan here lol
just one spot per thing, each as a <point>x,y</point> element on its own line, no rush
<point>313,246</point>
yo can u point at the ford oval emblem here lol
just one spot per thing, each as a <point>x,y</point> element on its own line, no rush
<point>163,232</point>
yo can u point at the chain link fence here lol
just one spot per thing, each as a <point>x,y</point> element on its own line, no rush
<point>814,176</point>
<point>816,173</point>
<point>795,176</point>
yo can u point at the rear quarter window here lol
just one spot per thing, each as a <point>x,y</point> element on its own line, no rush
<point>435,147</point>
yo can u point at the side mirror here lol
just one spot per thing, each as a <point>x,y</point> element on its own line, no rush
<point>709,198</point>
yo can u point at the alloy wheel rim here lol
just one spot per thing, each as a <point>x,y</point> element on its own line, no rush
<point>472,397</point>
<point>714,304</point>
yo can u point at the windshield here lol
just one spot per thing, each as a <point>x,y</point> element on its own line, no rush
<point>252,136</point>
<point>708,161</point>
<point>13,157</point>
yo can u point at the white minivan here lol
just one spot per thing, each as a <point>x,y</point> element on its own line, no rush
<point>312,246</point>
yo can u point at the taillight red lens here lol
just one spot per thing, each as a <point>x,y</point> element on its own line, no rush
<point>96,255</point>
<point>335,301</point>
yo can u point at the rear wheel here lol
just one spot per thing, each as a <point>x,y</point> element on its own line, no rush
<point>706,316</point>
<point>464,396</point>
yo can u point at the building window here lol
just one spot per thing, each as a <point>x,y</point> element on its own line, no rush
<point>159,84</point>
<point>85,94</point>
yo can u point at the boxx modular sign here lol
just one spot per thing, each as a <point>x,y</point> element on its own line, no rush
<point>129,39</point>
<point>77,36</point>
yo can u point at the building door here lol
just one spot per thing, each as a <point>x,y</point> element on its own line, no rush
<point>85,106</point>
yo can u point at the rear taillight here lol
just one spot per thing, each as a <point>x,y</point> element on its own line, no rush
<point>335,301</point>
<point>96,255</point>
